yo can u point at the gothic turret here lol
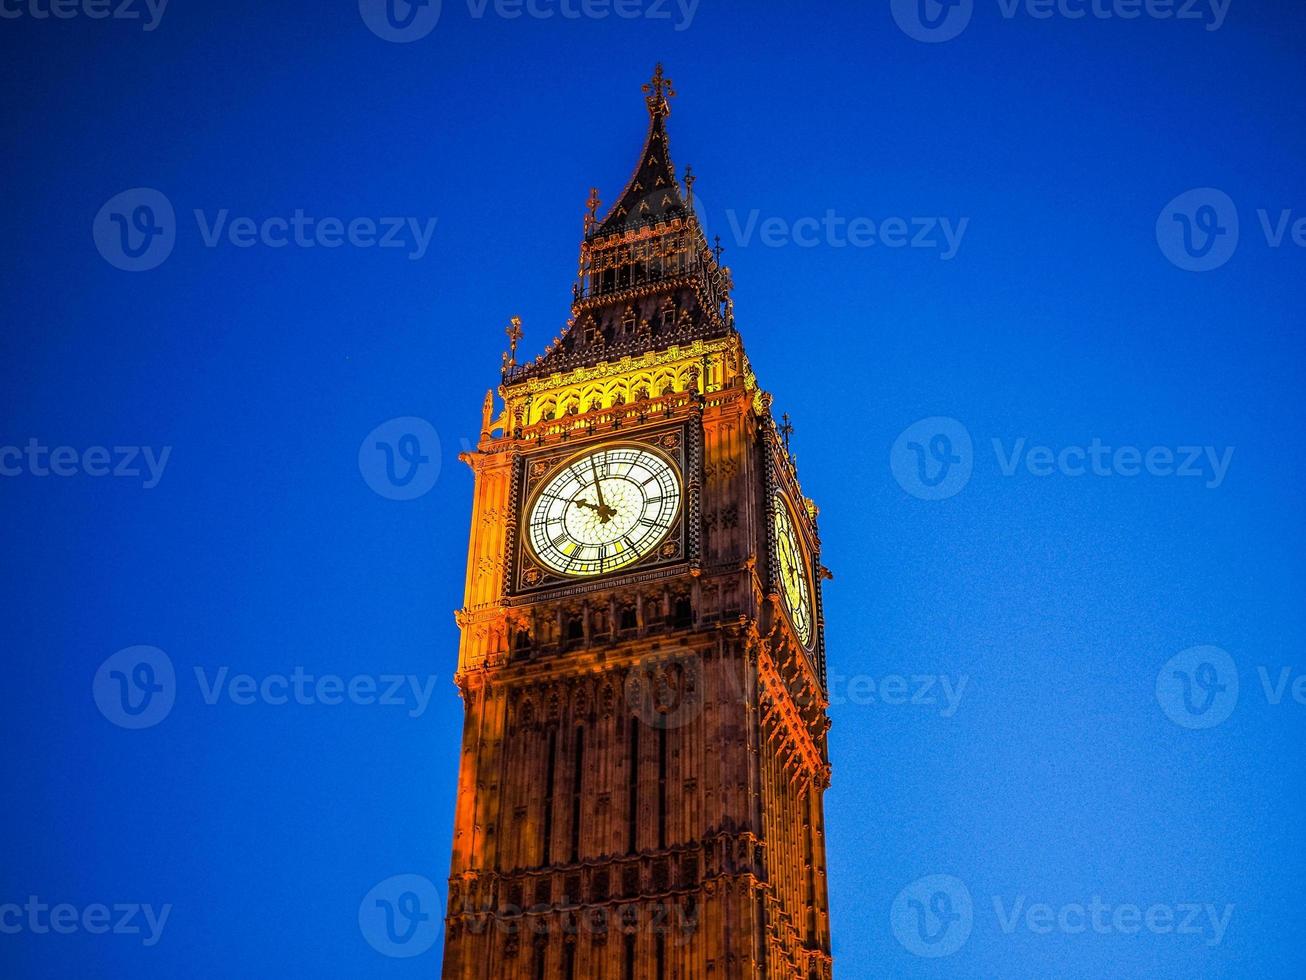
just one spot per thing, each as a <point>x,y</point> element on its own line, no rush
<point>647,277</point>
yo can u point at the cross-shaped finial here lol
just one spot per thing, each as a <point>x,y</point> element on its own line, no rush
<point>592,210</point>
<point>719,250</point>
<point>514,335</point>
<point>786,430</point>
<point>689,183</point>
<point>659,90</point>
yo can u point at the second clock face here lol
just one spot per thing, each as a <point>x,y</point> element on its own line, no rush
<point>793,574</point>
<point>603,510</point>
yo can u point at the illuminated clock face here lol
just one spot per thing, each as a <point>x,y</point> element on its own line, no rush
<point>604,510</point>
<point>793,576</point>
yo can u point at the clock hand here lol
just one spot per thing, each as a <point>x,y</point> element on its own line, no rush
<point>605,512</point>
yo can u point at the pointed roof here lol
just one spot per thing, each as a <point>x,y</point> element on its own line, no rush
<point>653,194</point>
<point>647,278</point>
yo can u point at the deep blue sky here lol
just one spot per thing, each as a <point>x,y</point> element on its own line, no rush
<point>1059,777</point>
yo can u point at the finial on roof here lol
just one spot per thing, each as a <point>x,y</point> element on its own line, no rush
<point>689,184</point>
<point>786,430</point>
<point>592,212</point>
<point>659,90</point>
<point>514,333</point>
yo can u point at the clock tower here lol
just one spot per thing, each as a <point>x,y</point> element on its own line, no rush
<point>642,661</point>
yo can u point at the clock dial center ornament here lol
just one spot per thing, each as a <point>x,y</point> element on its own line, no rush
<point>604,510</point>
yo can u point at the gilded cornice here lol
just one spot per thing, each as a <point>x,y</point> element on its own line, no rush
<point>629,364</point>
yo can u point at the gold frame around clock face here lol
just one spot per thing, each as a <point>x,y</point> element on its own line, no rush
<point>791,570</point>
<point>603,509</point>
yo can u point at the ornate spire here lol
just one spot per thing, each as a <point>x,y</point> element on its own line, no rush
<point>514,333</point>
<point>653,194</point>
<point>786,430</point>
<point>647,277</point>
<point>592,210</point>
<point>659,90</point>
